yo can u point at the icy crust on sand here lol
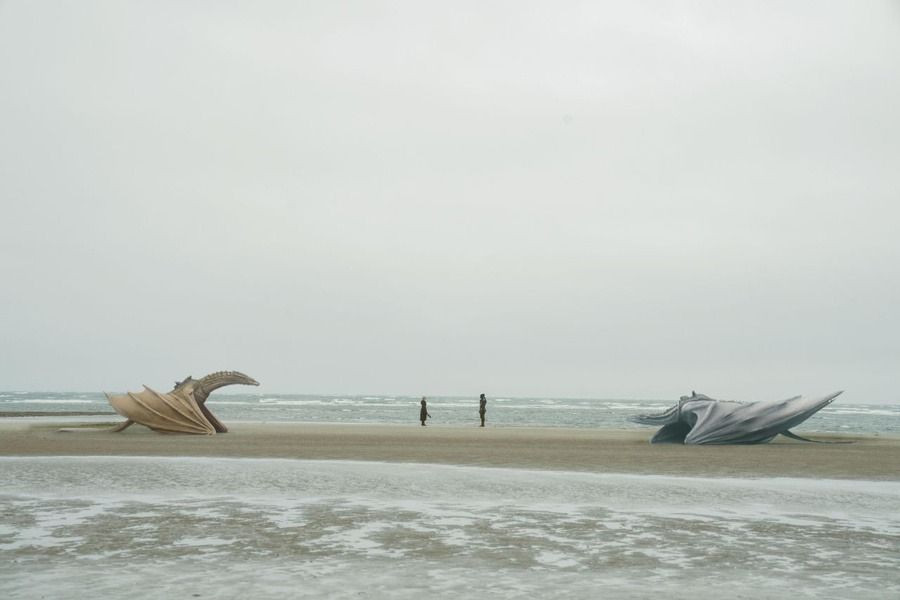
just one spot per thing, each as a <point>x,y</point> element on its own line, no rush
<point>160,526</point>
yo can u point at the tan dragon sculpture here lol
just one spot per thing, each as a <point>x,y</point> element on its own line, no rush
<point>183,410</point>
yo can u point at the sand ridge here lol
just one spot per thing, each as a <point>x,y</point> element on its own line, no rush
<point>611,451</point>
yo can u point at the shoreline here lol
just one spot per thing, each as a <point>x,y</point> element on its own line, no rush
<point>59,413</point>
<point>870,457</point>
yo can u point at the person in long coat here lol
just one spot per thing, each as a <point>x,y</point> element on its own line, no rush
<point>423,412</point>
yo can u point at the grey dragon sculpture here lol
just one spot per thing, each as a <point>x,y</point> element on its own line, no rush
<point>699,419</point>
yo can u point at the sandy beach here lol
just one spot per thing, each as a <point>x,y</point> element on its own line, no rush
<point>599,451</point>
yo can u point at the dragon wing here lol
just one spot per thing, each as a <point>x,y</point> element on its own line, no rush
<point>702,420</point>
<point>169,413</point>
<point>754,423</point>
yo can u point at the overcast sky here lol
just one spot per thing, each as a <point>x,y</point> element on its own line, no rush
<point>617,200</point>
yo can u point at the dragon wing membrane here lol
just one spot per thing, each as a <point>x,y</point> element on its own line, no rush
<point>170,413</point>
<point>703,420</point>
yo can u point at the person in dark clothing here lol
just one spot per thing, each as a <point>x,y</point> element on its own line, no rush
<point>423,412</point>
<point>482,408</point>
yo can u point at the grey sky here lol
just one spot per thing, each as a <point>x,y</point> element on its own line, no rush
<point>628,199</point>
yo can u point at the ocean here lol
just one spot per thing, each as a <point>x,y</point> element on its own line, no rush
<point>502,411</point>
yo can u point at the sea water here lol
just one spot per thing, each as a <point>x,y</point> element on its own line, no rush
<point>502,411</point>
<point>76,527</point>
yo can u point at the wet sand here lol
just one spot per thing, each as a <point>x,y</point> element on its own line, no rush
<point>603,451</point>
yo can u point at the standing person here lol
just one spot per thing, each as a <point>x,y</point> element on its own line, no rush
<point>482,408</point>
<point>423,412</point>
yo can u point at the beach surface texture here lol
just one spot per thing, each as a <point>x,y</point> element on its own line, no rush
<point>299,510</point>
<point>604,451</point>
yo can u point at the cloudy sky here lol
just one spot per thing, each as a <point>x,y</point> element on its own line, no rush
<point>629,199</point>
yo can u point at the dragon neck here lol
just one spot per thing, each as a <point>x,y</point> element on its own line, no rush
<point>214,381</point>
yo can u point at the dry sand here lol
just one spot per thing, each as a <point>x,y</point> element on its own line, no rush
<point>612,451</point>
